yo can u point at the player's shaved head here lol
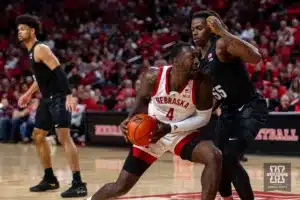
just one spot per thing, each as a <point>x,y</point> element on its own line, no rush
<point>184,57</point>
<point>179,48</point>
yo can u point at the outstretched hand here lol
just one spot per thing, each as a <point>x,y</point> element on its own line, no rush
<point>216,25</point>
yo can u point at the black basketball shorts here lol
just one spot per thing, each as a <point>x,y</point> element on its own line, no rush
<point>52,113</point>
<point>235,128</point>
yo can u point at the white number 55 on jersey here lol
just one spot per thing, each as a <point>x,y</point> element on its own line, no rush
<point>219,93</point>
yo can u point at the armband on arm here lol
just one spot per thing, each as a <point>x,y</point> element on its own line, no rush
<point>200,119</point>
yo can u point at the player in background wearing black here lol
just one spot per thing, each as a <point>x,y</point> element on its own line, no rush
<point>243,109</point>
<point>55,107</point>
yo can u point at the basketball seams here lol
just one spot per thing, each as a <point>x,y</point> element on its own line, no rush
<point>146,135</point>
<point>148,124</point>
<point>146,118</point>
<point>137,129</point>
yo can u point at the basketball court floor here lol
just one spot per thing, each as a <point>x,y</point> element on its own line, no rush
<point>168,178</point>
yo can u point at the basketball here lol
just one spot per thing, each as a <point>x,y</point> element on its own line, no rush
<point>139,128</point>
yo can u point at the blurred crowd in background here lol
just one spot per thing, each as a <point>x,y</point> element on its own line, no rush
<point>104,45</point>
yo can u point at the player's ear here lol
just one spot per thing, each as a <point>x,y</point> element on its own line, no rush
<point>32,31</point>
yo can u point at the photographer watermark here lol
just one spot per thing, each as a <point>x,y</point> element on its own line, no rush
<point>277,177</point>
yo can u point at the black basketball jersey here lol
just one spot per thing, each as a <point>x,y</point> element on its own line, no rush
<point>231,83</point>
<point>44,76</point>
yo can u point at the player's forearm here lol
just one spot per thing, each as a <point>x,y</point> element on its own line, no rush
<point>33,88</point>
<point>242,49</point>
<point>200,119</point>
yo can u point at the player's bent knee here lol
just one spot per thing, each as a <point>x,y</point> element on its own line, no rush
<point>214,157</point>
<point>207,154</point>
<point>38,136</point>
<point>217,157</point>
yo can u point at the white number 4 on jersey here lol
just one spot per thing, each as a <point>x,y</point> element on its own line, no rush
<point>219,93</point>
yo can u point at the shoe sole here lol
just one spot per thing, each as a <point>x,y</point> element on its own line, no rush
<point>80,195</point>
<point>44,190</point>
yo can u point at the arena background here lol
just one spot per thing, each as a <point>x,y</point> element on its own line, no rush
<point>104,45</point>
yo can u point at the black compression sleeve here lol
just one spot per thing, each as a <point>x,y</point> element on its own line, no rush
<point>62,80</point>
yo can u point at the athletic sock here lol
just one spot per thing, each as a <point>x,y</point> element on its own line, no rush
<point>49,175</point>
<point>77,177</point>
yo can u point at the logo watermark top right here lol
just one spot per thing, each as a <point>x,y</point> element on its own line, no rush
<point>277,177</point>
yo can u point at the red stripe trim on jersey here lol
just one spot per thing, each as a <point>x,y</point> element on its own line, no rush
<point>167,80</point>
<point>161,69</point>
<point>184,86</point>
<point>194,92</point>
<point>183,142</point>
<point>149,159</point>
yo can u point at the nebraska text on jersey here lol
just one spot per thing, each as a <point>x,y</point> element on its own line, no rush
<point>174,101</point>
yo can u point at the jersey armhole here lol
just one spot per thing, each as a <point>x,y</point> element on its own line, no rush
<point>194,92</point>
<point>32,51</point>
<point>157,81</point>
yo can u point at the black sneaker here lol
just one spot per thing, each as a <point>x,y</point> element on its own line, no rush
<point>45,185</point>
<point>76,190</point>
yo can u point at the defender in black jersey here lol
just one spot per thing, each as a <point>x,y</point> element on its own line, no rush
<point>243,109</point>
<point>55,107</point>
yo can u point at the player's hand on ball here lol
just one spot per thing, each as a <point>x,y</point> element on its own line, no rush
<point>216,25</point>
<point>70,103</point>
<point>124,128</point>
<point>24,100</point>
<point>161,130</point>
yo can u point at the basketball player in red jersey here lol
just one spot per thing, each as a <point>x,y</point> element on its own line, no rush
<point>181,100</point>
<point>54,109</point>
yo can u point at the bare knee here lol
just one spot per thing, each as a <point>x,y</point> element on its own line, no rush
<point>215,157</point>
<point>207,154</point>
<point>38,136</point>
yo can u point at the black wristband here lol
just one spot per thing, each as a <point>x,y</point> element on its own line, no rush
<point>62,80</point>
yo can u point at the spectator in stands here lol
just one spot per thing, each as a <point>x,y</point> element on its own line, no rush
<point>6,111</point>
<point>77,128</point>
<point>296,31</point>
<point>129,102</point>
<point>18,119</point>
<point>268,75</point>
<point>285,105</point>
<point>120,106</point>
<point>248,34</point>
<point>294,90</point>
<point>280,88</point>
<point>74,77</point>
<point>27,126</point>
<point>100,97</point>
<point>127,90</point>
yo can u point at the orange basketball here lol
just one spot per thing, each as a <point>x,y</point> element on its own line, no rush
<point>139,128</point>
